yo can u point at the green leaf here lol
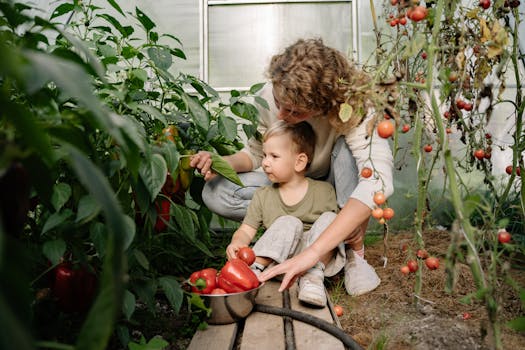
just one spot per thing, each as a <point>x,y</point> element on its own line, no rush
<point>141,258</point>
<point>198,112</point>
<point>182,217</point>
<point>114,4</point>
<point>88,208</point>
<point>128,305</point>
<point>98,235</point>
<point>261,101</point>
<point>223,168</point>
<point>161,56</point>
<point>62,9</point>
<point>144,20</point>
<point>227,127</point>
<point>155,343</point>
<point>153,173</point>
<point>256,88</point>
<point>54,250</point>
<point>129,233</point>
<point>55,219</point>
<point>60,196</point>
<point>122,30</point>
<point>173,291</point>
<point>153,112</point>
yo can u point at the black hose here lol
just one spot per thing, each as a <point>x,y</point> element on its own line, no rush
<point>311,320</point>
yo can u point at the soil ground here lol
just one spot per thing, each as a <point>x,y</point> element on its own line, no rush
<point>389,317</point>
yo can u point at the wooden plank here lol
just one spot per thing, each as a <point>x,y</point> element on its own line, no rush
<point>308,337</point>
<point>265,331</point>
<point>215,337</point>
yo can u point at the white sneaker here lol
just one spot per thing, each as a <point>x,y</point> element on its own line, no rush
<point>257,268</point>
<point>311,287</point>
<point>360,277</point>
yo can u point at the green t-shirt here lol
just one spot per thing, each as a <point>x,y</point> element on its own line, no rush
<point>266,205</point>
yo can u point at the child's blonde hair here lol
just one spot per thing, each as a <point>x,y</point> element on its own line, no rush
<point>302,135</point>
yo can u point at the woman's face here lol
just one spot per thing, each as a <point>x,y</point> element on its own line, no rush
<point>291,114</point>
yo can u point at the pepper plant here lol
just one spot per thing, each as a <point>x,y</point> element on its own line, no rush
<point>95,138</point>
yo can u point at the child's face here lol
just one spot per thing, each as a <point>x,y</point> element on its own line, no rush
<point>280,159</point>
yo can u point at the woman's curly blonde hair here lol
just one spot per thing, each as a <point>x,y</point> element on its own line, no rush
<point>310,75</point>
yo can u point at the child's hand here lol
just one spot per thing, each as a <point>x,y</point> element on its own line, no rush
<point>232,249</point>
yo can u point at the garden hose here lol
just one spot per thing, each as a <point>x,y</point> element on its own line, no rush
<point>337,332</point>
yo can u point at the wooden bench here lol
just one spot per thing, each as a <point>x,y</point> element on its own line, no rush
<point>269,331</point>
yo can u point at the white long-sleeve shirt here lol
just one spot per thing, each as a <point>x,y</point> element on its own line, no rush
<point>373,151</point>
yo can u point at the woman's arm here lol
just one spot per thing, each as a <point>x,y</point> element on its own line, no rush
<point>351,216</point>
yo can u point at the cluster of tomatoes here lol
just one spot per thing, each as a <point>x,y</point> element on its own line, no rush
<point>407,9</point>
<point>412,265</point>
<point>385,129</point>
<point>234,277</point>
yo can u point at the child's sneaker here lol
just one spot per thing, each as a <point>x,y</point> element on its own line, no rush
<point>257,268</point>
<point>311,287</point>
<point>360,277</point>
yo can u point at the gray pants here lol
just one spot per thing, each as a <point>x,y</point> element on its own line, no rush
<point>285,238</point>
<point>229,200</point>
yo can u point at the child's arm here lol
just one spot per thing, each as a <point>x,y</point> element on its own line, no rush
<point>241,238</point>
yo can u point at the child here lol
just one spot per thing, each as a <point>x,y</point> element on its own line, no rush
<point>294,209</point>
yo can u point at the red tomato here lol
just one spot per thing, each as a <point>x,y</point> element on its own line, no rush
<point>405,270</point>
<point>508,170</point>
<point>504,236</point>
<point>432,262</point>
<point>412,265</point>
<point>218,291</point>
<point>422,254</point>
<point>366,172</point>
<point>403,21</point>
<point>460,104</point>
<point>485,4</point>
<point>418,13</point>
<point>388,213</point>
<point>247,255</point>
<point>405,128</point>
<point>424,55</point>
<point>479,154</point>
<point>377,213</point>
<point>385,129</point>
<point>427,148</point>
<point>379,198</point>
<point>338,310</point>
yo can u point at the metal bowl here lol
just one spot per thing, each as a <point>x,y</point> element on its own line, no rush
<point>232,307</point>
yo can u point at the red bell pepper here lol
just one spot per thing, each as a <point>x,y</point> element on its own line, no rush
<point>203,281</point>
<point>163,215</point>
<point>236,276</point>
<point>74,288</point>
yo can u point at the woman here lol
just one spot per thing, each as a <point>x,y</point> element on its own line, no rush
<point>309,82</point>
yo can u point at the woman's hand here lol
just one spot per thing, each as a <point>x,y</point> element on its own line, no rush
<point>202,162</point>
<point>291,268</point>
